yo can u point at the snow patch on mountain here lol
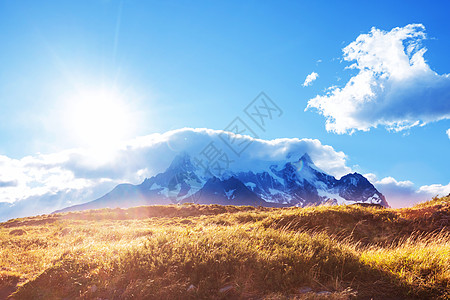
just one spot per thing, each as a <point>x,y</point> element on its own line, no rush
<point>230,193</point>
<point>330,196</point>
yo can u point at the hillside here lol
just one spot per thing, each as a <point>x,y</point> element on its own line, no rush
<point>228,252</point>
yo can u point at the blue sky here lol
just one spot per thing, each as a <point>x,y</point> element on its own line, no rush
<point>174,64</point>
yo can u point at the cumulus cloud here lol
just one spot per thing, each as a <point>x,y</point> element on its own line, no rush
<point>44,183</point>
<point>405,193</point>
<point>394,86</point>
<point>448,133</point>
<point>310,78</point>
<point>436,189</point>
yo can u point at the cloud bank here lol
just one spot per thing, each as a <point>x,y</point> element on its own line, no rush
<point>394,86</point>
<point>405,193</point>
<point>310,78</point>
<point>44,183</point>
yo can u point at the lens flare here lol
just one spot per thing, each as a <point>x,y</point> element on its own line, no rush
<point>299,165</point>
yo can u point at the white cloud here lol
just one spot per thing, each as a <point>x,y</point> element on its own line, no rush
<point>448,133</point>
<point>404,193</point>
<point>44,183</point>
<point>371,177</point>
<point>394,86</point>
<point>436,189</point>
<point>310,78</point>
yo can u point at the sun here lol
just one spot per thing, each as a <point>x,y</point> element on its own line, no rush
<point>99,118</point>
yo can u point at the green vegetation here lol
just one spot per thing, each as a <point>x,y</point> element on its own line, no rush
<point>227,252</point>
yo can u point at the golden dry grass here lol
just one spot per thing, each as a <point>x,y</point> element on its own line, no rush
<point>227,252</point>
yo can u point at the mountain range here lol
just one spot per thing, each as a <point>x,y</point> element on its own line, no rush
<point>288,183</point>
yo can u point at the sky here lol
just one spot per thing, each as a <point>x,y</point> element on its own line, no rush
<point>371,81</point>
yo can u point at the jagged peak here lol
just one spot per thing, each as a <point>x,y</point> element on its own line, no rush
<point>291,157</point>
<point>355,175</point>
<point>182,161</point>
<point>356,179</point>
<point>306,158</point>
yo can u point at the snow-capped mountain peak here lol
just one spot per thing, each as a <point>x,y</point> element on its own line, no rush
<point>284,183</point>
<point>306,159</point>
<point>182,162</point>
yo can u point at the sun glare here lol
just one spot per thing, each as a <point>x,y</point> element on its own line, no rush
<point>99,118</point>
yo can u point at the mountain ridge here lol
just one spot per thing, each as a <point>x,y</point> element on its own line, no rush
<point>287,183</point>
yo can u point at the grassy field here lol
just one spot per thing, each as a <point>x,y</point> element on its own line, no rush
<point>228,252</point>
